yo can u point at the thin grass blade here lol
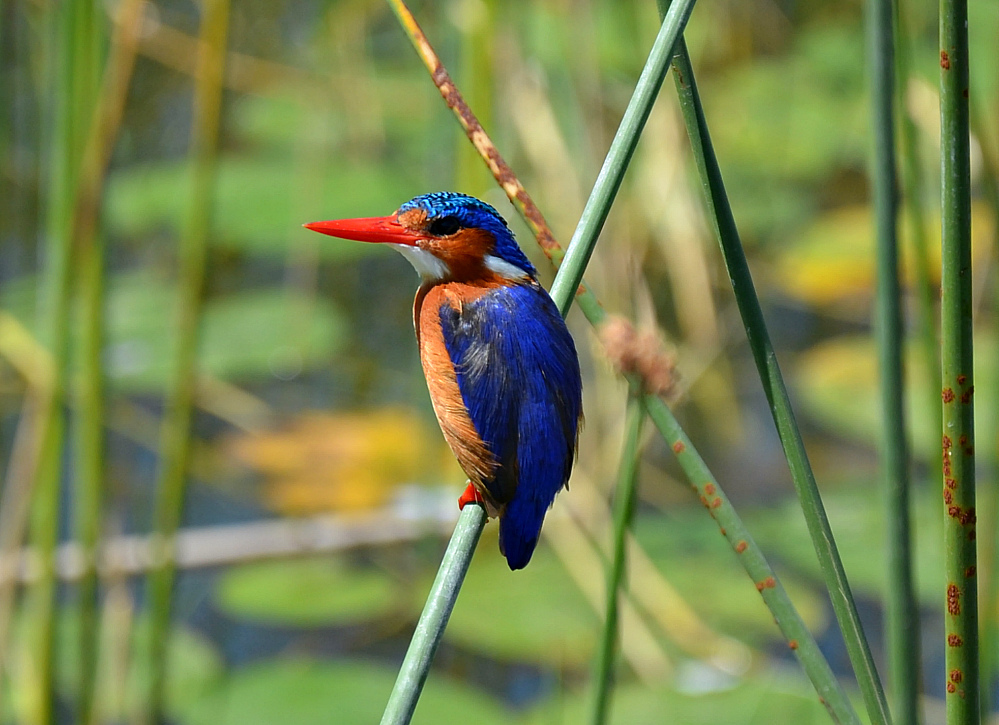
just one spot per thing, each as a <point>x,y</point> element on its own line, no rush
<point>90,428</point>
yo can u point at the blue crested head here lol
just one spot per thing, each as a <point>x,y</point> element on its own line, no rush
<point>448,212</point>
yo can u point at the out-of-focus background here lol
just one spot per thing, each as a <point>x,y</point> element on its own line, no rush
<point>320,492</point>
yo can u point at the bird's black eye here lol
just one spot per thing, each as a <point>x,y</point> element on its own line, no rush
<point>444,226</point>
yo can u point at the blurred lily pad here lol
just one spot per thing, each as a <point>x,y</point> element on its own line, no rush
<point>259,333</point>
<point>307,592</point>
<point>303,692</point>
<point>837,382</point>
<point>347,461</point>
<point>832,260</point>
<point>195,667</point>
<point>260,203</point>
<point>768,697</point>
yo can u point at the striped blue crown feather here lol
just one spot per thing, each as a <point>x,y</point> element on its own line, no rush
<point>476,214</point>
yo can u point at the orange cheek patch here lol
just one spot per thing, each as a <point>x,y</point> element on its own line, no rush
<point>464,253</point>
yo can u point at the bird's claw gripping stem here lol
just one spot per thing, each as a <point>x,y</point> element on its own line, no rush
<point>471,495</point>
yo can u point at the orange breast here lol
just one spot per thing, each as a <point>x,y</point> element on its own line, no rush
<point>472,453</point>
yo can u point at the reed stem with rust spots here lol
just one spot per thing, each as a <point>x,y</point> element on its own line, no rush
<point>958,437</point>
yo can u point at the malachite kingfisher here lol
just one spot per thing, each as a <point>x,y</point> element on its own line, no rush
<point>499,361</point>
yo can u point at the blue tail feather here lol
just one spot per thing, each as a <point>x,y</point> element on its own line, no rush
<point>519,530</point>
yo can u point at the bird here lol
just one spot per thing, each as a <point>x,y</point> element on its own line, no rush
<point>500,364</point>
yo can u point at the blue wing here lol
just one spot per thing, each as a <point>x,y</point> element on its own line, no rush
<point>518,375</point>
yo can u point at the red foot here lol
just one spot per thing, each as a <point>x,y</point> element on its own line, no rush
<point>470,496</point>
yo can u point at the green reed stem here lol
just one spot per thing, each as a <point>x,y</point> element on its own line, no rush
<point>175,441</point>
<point>625,496</point>
<point>89,428</point>
<point>902,611</point>
<point>720,213</point>
<point>433,620</point>
<point>605,188</point>
<point>71,65</point>
<point>957,382</point>
<point>90,442</point>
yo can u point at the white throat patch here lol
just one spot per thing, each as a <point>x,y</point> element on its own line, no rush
<point>429,267</point>
<point>504,268</point>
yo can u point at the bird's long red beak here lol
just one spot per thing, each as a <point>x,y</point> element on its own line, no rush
<point>371,229</point>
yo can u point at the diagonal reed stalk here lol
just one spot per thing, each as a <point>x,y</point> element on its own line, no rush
<point>957,381</point>
<point>750,556</point>
<point>902,612</point>
<point>720,213</point>
<point>625,495</point>
<point>433,620</point>
<point>175,445</point>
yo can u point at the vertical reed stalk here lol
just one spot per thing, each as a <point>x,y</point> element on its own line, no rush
<point>70,61</point>
<point>90,441</point>
<point>957,383</point>
<point>823,542</point>
<point>625,495</point>
<point>902,615</point>
<point>175,434</point>
<point>89,426</point>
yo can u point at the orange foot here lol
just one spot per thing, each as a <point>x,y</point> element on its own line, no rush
<point>471,495</point>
